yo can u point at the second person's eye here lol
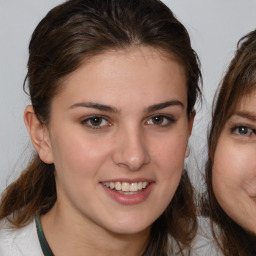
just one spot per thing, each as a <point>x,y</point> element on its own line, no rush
<point>243,130</point>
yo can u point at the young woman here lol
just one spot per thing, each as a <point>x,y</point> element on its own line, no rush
<point>112,85</point>
<point>231,167</point>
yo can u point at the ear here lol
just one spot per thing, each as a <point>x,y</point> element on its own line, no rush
<point>191,121</point>
<point>39,135</point>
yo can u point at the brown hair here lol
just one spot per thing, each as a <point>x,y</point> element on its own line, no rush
<point>71,33</point>
<point>240,80</point>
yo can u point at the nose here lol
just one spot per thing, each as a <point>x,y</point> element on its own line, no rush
<point>131,150</point>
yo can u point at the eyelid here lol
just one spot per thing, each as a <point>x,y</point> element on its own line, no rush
<point>235,128</point>
<point>171,120</point>
<point>241,121</point>
<point>167,118</point>
<point>85,121</point>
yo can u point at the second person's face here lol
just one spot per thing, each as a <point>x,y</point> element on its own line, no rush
<point>118,133</point>
<point>234,168</point>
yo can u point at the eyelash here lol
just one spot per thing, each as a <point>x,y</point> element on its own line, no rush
<point>88,122</point>
<point>235,130</point>
<point>166,119</point>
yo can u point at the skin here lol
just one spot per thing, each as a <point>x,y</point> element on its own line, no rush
<point>127,145</point>
<point>234,168</point>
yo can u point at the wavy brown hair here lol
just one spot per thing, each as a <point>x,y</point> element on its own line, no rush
<point>239,81</point>
<point>70,34</point>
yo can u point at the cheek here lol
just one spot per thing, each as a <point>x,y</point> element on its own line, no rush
<point>170,162</point>
<point>224,171</point>
<point>169,152</point>
<point>234,169</point>
<point>76,154</point>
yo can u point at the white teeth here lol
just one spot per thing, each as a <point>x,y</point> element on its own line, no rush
<point>126,186</point>
<point>144,184</point>
<point>118,186</point>
<point>134,187</point>
<point>112,185</point>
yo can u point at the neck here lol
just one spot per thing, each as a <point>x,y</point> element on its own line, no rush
<point>67,235</point>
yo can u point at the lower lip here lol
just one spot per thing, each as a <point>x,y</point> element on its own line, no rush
<point>137,198</point>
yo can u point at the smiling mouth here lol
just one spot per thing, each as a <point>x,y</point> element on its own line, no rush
<point>126,187</point>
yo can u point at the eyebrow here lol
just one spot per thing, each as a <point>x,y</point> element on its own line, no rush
<point>93,105</point>
<point>112,109</point>
<point>163,105</point>
<point>246,114</point>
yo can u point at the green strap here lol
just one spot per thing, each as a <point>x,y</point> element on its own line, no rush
<point>44,245</point>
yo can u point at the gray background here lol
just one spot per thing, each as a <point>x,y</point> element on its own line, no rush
<point>214,26</point>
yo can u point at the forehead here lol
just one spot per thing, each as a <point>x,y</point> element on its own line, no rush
<point>144,54</point>
<point>247,102</point>
<point>134,72</point>
<point>133,51</point>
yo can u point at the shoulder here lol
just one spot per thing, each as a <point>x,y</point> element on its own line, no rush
<point>19,242</point>
<point>204,243</point>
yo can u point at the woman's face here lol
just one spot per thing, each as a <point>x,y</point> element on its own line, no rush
<point>234,168</point>
<point>118,134</point>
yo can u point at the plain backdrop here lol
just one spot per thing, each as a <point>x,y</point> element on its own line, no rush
<point>214,27</point>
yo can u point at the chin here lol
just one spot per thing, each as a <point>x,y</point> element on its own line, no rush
<point>130,227</point>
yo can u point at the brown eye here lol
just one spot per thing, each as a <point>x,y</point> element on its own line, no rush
<point>161,120</point>
<point>95,122</point>
<point>158,120</point>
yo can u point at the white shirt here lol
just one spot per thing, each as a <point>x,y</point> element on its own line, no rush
<point>19,242</point>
